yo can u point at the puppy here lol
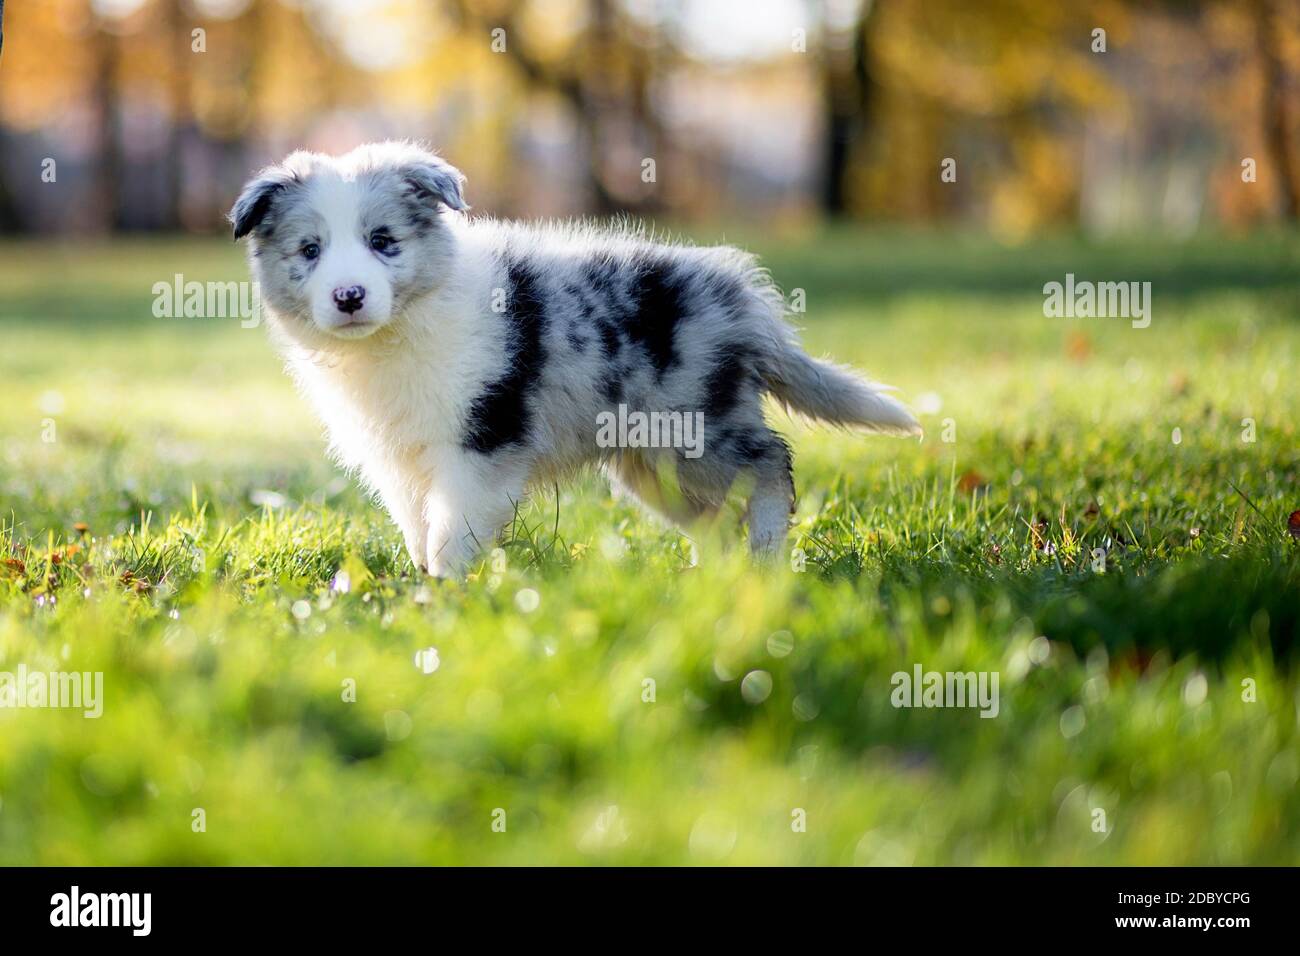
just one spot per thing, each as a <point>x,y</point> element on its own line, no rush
<point>456,362</point>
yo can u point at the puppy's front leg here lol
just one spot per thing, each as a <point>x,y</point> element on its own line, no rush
<point>471,498</point>
<point>403,492</point>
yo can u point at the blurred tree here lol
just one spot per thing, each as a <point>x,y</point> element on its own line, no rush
<point>847,89</point>
<point>1276,100</point>
<point>992,86</point>
<point>107,108</point>
<point>603,73</point>
<point>1039,124</point>
<point>175,28</point>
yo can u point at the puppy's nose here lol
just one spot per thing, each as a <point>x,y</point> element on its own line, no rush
<point>349,299</point>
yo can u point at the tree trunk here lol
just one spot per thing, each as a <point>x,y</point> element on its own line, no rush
<point>9,218</point>
<point>176,35</point>
<point>847,92</point>
<point>1277,131</point>
<point>108,120</point>
<point>589,93</point>
<point>10,221</point>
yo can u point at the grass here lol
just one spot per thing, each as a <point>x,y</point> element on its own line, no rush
<point>182,533</point>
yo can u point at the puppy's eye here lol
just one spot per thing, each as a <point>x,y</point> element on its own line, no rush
<point>381,242</point>
<point>311,250</point>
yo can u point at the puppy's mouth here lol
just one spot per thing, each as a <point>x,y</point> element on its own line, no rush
<point>354,327</point>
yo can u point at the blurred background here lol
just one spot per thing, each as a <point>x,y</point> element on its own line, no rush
<point>780,112</point>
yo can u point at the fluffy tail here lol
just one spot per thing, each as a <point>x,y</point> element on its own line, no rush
<point>833,393</point>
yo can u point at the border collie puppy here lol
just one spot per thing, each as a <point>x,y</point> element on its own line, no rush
<point>457,362</point>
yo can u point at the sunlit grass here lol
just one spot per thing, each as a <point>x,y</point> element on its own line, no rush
<point>182,533</point>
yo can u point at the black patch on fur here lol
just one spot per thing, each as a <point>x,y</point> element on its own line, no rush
<point>732,295</point>
<point>600,301</point>
<point>575,339</point>
<point>751,448</point>
<point>610,342</point>
<point>726,382</point>
<point>767,453</point>
<point>252,208</point>
<point>419,220</point>
<point>601,274</point>
<point>611,385</point>
<point>421,217</point>
<point>501,414</point>
<point>250,211</point>
<point>657,298</point>
<point>787,458</point>
<point>583,301</point>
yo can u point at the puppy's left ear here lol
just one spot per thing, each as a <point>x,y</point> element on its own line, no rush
<point>255,201</point>
<point>434,180</point>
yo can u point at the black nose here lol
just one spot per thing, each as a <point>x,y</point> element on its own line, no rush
<point>349,299</point>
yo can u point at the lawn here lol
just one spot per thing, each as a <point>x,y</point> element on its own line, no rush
<point>1097,514</point>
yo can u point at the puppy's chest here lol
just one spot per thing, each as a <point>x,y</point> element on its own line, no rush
<point>393,409</point>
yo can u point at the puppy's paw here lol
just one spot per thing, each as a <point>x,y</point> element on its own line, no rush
<point>444,571</point>
<point>446,560</point>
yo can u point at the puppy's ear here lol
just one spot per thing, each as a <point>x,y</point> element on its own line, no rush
<point>255,201</point>
<point>434,180</point>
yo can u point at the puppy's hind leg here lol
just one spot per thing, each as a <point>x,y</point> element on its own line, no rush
<point>634,476</point>
<point>772,501</point>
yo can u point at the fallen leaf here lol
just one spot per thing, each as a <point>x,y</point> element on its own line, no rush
<point>139,585</point>
<point>1293,524</point>
<point>971,481</point>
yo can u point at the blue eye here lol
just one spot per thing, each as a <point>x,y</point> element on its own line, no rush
<point>311,251</point>
<point>381,242</point>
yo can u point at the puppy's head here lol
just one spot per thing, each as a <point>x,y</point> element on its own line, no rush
<point>341,245</point>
